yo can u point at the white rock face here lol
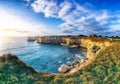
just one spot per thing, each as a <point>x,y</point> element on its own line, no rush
<point>63,68</point>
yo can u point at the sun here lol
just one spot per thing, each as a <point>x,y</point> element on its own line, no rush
<point>10,25</point>
<point>2,33</point>
<point>6,33</point>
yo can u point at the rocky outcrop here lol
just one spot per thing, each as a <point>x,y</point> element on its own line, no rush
<point>92,42</point>
<point>92,45</point>
<point>15,63</point>
<point>31,38</point>
<point>64,68</point>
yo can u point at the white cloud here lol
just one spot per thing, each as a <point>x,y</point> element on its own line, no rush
<point>64,9</point>
<point>49,8</point>
<point>104,15</point>
<point>114,28</point>
<point>77,18</point>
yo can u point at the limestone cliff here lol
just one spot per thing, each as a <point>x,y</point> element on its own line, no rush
<point>94,45</point>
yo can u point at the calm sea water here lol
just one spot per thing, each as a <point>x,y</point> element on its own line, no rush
<point>42,57</point>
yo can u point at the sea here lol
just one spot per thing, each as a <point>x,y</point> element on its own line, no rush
<point>42,57</point>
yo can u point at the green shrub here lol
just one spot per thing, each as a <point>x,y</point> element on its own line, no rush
<point>95,49</point>
<point>69,81</point>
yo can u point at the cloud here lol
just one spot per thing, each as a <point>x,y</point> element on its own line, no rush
<point>78,18</point>
<point>64,9</point>
<point>49,8</point>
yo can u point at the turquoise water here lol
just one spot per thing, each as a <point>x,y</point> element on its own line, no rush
<point>42,57</point>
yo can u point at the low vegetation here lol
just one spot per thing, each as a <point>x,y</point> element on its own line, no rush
<point>116,39</point>
<point>95,49</point>
<point>105,69</point>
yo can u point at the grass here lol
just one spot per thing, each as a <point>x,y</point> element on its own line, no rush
<point>105,69</point>
<point>113,39</point>
<point>116,40</point>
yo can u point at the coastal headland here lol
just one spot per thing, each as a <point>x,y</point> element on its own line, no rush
<point>101,64</point>
<point>91,45</point>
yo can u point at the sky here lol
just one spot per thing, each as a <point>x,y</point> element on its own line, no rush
<point>59,17</point>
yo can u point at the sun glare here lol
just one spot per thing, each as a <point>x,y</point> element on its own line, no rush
<point>6,33</point>
<point>10,23</point>
<point>10,34</point>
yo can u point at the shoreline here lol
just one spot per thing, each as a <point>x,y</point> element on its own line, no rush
<point>72,65</point>
<point>21,73</point>
<point>83,46</point>
<point>83,43</point>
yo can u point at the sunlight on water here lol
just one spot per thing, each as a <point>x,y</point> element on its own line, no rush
<point>5,42</point>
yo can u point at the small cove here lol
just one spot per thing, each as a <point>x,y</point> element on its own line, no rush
<point>42,57</point>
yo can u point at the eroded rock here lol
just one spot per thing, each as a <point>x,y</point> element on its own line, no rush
<point>64,68</point>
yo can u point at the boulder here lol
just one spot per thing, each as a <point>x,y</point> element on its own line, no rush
<point>82,61</point>
<point>64,68</point>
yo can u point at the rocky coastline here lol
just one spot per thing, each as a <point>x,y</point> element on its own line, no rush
<point>31,38</point>
<point>91,45</point>
<point>96,70</point>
